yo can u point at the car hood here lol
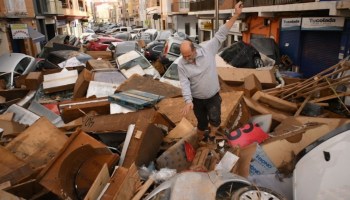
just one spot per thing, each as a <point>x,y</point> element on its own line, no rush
<point>8,61</point>
<point>197,185</point>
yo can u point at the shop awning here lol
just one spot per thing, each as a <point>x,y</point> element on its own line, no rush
<point>35,35</point>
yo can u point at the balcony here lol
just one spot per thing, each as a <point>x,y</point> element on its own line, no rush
<point>15,9</point>
<point>203,5</point>
<point>49,7</point>
<point>180,6</point>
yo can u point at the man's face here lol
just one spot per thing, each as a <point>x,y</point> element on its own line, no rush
<point>189,56</point>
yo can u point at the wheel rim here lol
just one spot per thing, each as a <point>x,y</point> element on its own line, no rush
<point>257,195</point>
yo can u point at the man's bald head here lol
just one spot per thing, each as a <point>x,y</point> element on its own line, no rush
<point>188,51</point>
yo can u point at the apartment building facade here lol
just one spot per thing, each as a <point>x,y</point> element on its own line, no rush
<point>313,33</point>
<point>38,21</point>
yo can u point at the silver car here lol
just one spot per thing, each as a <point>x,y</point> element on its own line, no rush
<point>15,64</point>
<point>198,185</point>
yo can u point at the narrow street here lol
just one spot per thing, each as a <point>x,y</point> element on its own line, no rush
<point>107,99</point>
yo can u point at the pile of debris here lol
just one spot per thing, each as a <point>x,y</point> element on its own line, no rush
<point>92,134</point>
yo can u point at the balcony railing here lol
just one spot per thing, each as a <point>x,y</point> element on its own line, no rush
<point>201,5</point>
<point>180,6</point>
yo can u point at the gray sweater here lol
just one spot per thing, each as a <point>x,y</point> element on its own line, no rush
<point>200,80</point>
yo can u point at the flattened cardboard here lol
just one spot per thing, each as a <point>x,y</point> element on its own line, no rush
<point>175,156</point>
<point>12,168</point>
<point>286,149</point>
<point>94,64</point>
<point>148,84</point>
<point>180,131</point>
<point>82,84</point>
<point>38,144</point>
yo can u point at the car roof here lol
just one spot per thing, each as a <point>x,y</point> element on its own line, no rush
<point>128,56</point>
<point>8,61</point>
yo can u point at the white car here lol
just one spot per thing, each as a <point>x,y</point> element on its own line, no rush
<point>133,59</point>
<point>15,64</point>
<point>171,76</point>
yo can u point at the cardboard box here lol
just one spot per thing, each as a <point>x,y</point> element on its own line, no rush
<point>61,81</point>
<point>34,80</point>
<point>94,64</point>
<point>82,84</point>
<point>236,76</point>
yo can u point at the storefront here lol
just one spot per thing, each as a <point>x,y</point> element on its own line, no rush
<point>313,43</point>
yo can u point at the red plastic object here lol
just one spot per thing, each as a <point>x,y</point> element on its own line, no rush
<point>190,151</point>
<point>246,135</point>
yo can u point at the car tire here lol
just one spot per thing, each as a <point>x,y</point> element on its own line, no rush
<point>256,193</point>
<point>258,62</point>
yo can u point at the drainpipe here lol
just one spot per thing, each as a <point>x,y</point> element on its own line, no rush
<point>216,16</point>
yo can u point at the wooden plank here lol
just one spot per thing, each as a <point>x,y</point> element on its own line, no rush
<point>105,55</point>
<point>148,84</point>
<point>276,115</point>
<point>103,123</point>
<point>9,196</point>
<point>342,94</point>
<point>39,143</point>
<point>123,184</point>
<point>143,189</point>
<point>275,102</point>
<point>12,168</point>
<point>99,183</point>
<point>252,85</point>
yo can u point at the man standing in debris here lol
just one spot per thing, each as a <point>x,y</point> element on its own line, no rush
<point>199,79</point>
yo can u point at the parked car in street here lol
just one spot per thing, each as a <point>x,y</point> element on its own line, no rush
<point>86,34</point>
<point>242,55</point>
<point>171,50</point>
<point>13,65</point>
<point>101,43</point>
<point>153,50</point>
<point>119,48</point>
<point>148,36</point>
<point>134,58</point>
<point>171,75</point>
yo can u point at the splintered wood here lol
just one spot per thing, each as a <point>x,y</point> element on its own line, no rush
<point>329,84</point>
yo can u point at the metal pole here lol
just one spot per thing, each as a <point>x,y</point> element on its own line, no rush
<point>216,16</point>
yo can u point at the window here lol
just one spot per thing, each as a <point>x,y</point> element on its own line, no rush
<point>187,28</point>
<point>15,7</point>
<point>158,48</point>
<point>175,49</point>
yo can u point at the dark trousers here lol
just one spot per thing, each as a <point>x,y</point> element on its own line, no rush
<point>207,111</point>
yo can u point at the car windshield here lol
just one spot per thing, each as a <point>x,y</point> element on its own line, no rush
<point>137,61</point>
<point>7,78</point>
<point>172,72</point>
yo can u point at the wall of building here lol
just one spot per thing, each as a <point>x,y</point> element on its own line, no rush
<point>181,20</point>
<point>261,27</point>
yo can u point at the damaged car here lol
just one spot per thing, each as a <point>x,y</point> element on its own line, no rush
<point>134,59</point>
<point>15,64</point>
